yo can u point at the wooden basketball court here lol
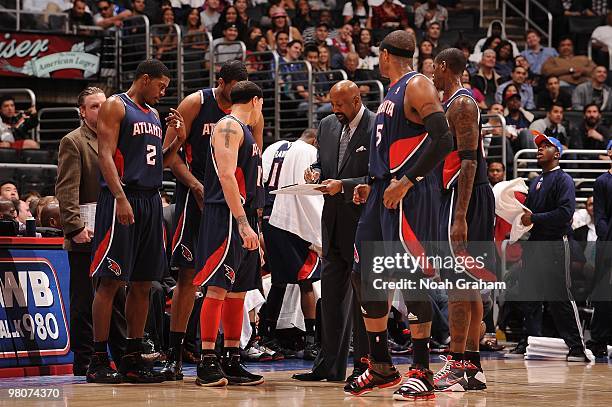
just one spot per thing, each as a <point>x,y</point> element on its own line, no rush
<point>510,383</point>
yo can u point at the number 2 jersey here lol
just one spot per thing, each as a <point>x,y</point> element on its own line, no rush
<point>248,173</point>
<point>139,156</point>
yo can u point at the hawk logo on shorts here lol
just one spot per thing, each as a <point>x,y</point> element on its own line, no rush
<point>186,253</point>
<point>230,274</point>
<point>355,254</point>
<point>114,266</point>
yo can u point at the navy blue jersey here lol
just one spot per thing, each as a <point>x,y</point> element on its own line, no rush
<point>248,173</point>
<point>452,162</point>
<point>198,141</point>
<point>602,206</point>
<point>139,153</point>
<point>398,142</point>
<point>275,170</point>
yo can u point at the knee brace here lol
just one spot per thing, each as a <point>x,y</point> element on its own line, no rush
<point>369,309</point>
<point>419,312</point>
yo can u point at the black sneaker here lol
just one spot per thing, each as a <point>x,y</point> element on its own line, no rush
<point>274,345</point>
<point>518,351</point>
<point>173,367</point>
<point>475,377</point>
<point>419,385</point>
<point>371,380</point>
<point>236,373</point>
<point>396,348</point>
<point>134,369</point>
<point>209,372</point>
<point>577,355</point>
<point>311,349</point>
<point>452,376</point>
<point>100,370</point>
<point>599,350</point>
<point>358,370</point>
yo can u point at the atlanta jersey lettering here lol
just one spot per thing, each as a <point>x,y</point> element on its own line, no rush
<point>398,142</point>
<point>139,155</point>
<point>452,162</point>
<point>271,182</point>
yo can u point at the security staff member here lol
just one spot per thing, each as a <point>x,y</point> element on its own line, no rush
<point>545,277</point>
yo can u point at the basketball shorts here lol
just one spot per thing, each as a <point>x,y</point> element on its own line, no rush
<point>478,261</point>
<point>289,256</point>
<point>136,252</point>
<point>221,261</point>
<point>414,224</point>
<point>187,218</point>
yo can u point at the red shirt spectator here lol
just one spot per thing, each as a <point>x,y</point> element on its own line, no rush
<point>389,15</point>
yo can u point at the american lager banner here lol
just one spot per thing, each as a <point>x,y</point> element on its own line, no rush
<point>49,55</point>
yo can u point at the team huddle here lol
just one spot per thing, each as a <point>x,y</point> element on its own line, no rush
<point>427,182</point>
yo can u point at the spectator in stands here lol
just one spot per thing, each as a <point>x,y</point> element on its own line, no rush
<point>166,40</point>
<point>365,37</point>
<point>78,15</point>
<point>322,5</point>
<point>390,15</point>
<point>536,54</point>
<point>108,17</point>
<point>486,79</point>
<point>359,9</point>
<point>466,47</point>
<point>304,17</point>
<point>496,30</point>
<point>495,172</point>
<point>367,58</point>
<point>344,41</point>
<point>227,52</point>
<point>591,134</point>
<point>433,34</point>
<point>280,23</point>
<point>321,35</point>
<point>23,211</point>
<point>466,81</point>
<point>429,12</point>
<point>571,69</point>
<point>425,49</point>
<point>519,75</point>
<point>426,67</point>
<point>50,217</point>
<point>594,91</point>
<point>504,60</point>
<point>325,17</point>
<point>292,80</point>
<point>554,93</point>
<point>517,120</point>
<point>321,83</point>
<point>30,195</point>
<point>254,32</point>
<point>532,79</point>
<point>194,36</point>
<point>281,43</point>
<point>551,124</point>
<point>7,210</point>
<point>19,123</point>
<point>211,14</point>
<point>354,74</point>
<point>585,217</point>
<point>42,202</point>
<point>241,7</point>
<point>8,190</point>
<point>602,36</point>
<point>229,16</point>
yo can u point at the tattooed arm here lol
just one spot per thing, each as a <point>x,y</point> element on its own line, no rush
<point>226,140</point>
<point>463,119</point>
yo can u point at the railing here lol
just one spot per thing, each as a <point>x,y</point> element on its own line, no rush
<point>584,166</point>
<point>196,66</point>
<point>529,23</point>
<point>165,43</point>
<point>373,97</point>
<point>55,122</point>
<point>294,113</point>
<point>322,83</point>
<point>25,20</point>
<point>134,48</point>
<point>226,51</point>
<point>39,177</point>
<point>262,71</point>
<point>491,132</point>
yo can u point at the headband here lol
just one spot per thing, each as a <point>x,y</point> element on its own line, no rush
<point>396,51</point>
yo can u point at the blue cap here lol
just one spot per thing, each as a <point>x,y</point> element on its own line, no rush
<point>540,138</point>
<point>609,145</point>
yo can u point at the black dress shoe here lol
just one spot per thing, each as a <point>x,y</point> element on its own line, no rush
<point>308,377</point>
<point>357,371</point>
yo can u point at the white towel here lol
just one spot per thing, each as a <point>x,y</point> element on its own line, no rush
<point>509,208</point>
<point>300,215</point>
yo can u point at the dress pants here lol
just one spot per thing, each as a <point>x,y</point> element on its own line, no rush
<point>82,289</point>
<point>601,296</point>
<point>340,315</point>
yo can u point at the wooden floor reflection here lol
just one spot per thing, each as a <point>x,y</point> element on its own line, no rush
<point>511,383</point>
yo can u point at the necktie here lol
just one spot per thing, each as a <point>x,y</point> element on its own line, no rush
<point>344,140</point>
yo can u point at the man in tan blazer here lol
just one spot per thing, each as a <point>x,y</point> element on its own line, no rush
<point>77,184</point>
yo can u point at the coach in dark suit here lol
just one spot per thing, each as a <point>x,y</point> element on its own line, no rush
<point>77,184</point>
<point>344,141</point>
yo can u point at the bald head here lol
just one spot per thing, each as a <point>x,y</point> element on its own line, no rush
<point>345,100</point>
<point>50,216</point>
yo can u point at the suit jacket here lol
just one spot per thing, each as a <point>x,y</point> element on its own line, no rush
<point>340,214</point>
<point>77,181</point>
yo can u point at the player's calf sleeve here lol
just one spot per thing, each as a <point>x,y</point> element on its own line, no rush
<point>421,311</point>
<point>210,316</point>
<point>232,317</point>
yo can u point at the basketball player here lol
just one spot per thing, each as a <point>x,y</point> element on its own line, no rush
<point>402,204</point>
<point>201,111</point>
<point>467,213</point>
<point>128,237</point>
<point>291,226</point>
<point>227,256</point>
